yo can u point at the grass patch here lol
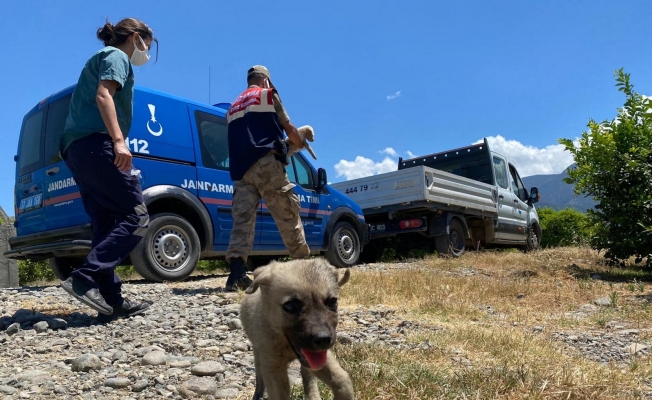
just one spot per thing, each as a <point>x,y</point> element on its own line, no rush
<point>487,304</point>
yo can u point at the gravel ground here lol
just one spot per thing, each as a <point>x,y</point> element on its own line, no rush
<point>190,343</point>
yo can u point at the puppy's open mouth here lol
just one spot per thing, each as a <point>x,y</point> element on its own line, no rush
<point>315,359</point>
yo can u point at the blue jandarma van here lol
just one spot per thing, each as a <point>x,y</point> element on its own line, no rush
<point>180,147</point>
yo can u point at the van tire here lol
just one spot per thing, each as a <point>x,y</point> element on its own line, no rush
<point>344,246</point>
<point>62,267</point>
<point>453,242</point>
<point>169,251</point>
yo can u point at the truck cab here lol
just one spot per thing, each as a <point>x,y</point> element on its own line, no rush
<point>180,148</point>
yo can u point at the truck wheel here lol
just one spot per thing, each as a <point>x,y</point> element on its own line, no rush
<point>254,262</point>
<point>344,246</point>
<point>62,267</point>
<point>168,251</point>
<point>373,250</point>
<point>452,243</point>
<point>533,239</point>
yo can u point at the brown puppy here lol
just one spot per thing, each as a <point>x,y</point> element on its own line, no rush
<point>289,313</point>
<point>307,134</point>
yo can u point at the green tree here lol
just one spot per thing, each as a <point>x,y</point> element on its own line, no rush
<point>567,227</point>
<point>614,165</point>
<point>34,271</point>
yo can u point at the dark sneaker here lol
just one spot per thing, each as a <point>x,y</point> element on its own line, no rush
<point>127,309</point>
<point>242,283</point>
<point>88,295</point>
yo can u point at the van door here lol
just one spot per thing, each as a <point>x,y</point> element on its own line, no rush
<point>520,207</point>
<point>301,173</point>
<point>29,187</point>
<point>214,185</point>
<point>507,227</point>
<point>62,202</point>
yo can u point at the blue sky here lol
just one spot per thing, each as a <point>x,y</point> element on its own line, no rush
<point>376,79</point>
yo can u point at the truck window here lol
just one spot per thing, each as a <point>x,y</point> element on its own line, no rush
<point>500,172</point>
<point>31,144</point>
<point>56,121</point>
<point>213,141</point>
<point>517,184</point>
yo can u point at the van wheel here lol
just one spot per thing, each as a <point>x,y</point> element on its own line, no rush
<point>533,239</point>
<point>344,246</point>
<point>169,250</point>
<point>451,244</point>
<point>62,267</point>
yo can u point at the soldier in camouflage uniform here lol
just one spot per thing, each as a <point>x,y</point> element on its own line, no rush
<point>257,154</point>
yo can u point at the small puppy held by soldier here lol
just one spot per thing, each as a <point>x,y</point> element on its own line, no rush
<point>290,312</point>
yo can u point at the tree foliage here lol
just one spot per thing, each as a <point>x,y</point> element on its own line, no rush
<point>614,165</point>
<point>567,227</point>
<point>34,271</point>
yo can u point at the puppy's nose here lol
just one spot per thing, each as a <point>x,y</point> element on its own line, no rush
<point>322,340</point>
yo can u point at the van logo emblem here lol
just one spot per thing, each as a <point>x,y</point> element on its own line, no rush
<point>152,110</point>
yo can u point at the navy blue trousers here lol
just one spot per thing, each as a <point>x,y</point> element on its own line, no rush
<point>113,200</point>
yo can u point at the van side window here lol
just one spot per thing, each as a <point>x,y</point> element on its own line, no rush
<point>56,122</point>
<point>500,172</point>
<point>289,169</point>
<point>304,173</point>
<point>213,140</point>
<point>31,144</point>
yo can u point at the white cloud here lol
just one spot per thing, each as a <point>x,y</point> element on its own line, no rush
<point>393,96</point>
<point>531,160</point>
<point>528,160</point>
<point>362,166</point>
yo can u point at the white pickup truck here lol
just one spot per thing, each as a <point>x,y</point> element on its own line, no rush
<point>466,197</point>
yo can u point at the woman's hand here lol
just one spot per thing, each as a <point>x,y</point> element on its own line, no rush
<point>122,156</point>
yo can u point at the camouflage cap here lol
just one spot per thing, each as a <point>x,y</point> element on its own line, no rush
<point>260,69</point>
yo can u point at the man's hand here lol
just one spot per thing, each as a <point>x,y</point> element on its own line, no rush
<point>293,134</point>
<point>122,156</point>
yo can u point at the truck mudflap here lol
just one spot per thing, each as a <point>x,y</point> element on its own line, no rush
<point>393,227</point>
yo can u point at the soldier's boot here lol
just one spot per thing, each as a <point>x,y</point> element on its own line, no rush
<point>238,278</point>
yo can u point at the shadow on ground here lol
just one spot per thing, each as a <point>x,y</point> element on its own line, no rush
<point>29,320</point>
<point>628,274</point>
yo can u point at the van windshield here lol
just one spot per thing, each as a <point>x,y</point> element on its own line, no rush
<point>29,155</point>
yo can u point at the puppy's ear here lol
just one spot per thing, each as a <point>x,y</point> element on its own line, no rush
<point>344,278</point>
<point>262,276</point>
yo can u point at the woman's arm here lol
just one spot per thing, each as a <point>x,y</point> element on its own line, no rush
<point>104,98</point>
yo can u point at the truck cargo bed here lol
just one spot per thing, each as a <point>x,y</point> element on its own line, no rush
<point>420,185</point>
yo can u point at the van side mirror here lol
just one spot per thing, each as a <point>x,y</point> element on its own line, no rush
<point>322,180</point>
<point>534,195</point>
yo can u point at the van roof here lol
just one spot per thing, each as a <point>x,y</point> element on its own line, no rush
<point>66,91</point>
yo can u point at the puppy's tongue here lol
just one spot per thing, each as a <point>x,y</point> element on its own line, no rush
<point>316,359</point>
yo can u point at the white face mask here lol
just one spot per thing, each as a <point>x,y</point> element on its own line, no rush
<point>139,57</point>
